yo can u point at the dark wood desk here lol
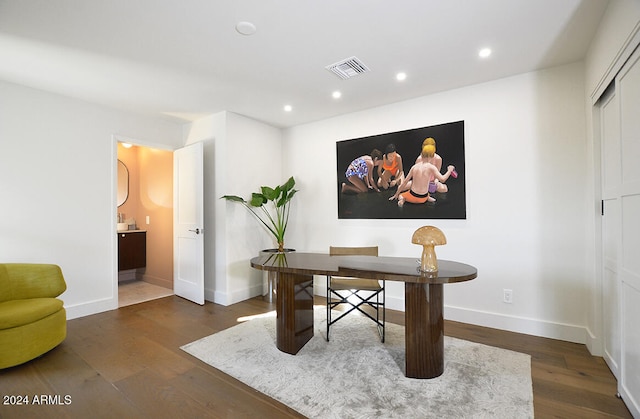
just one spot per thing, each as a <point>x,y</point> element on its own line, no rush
<point>424,304</point>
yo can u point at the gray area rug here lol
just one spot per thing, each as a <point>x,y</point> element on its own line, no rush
<point>356,376</point>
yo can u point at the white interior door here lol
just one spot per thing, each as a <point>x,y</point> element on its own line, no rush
<point>628,92</point>
<point>188,223</point>
<point>620,133</point>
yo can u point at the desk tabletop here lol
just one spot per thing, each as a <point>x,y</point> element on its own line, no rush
<point>370,267</point>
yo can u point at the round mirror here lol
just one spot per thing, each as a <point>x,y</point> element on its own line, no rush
<point>123,183</point>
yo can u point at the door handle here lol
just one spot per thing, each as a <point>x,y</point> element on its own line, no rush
<point>197,231</point>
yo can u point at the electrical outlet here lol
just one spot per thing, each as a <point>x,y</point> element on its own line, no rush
<point>148,220</point>
<point>507,296</point>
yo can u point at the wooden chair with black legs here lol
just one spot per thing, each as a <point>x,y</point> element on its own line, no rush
<point>363,292</point>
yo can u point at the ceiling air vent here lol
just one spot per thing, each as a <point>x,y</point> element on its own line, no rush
<point>348,68</point>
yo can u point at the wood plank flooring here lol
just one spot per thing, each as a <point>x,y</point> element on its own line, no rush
<point>127,363</point>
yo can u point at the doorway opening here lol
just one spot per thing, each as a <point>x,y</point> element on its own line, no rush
<point>145,223</point>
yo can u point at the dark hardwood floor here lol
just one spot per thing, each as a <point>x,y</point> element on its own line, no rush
<point>127,363</point>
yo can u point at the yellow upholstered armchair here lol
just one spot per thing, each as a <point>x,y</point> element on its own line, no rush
<point>32,320</point>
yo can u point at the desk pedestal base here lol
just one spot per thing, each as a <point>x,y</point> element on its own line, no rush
<point>424,322</point>
<point>424,330</point>
<point>294,308</point>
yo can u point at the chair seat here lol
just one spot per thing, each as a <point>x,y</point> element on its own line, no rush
<point>16,313</point>
<point>344,283</point>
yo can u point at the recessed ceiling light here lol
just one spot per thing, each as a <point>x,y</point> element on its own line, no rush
<point>288,108</point>
<point>337,94</point>
<point>246,28</point>
<point>127,145</point>
<point>484,52</point>
<point>401,76</point>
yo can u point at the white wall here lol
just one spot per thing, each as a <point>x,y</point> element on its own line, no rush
<point>241,154</point>
<point>526,208</point>
<point>57,183</point>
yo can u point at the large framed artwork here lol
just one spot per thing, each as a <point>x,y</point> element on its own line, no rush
<point>412,174</point>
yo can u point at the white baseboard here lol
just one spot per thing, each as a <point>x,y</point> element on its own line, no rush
<point>226,298</point>
<point>89,308</point>
<point>528,326</point>
<point>632,402</point>
<point>595,345</point>
<point>534,327</point>
<point>215,297</point>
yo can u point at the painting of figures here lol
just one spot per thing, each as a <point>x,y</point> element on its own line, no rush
<point>412,174</point>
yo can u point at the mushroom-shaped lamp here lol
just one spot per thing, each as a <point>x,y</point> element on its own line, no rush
<point>428,237</point>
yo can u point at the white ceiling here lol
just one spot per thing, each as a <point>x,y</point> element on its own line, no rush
<point>184,58</point>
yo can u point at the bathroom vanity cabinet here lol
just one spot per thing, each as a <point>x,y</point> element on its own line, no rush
<point>132,250</point>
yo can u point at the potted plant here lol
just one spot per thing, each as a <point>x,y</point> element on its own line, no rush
<point>275,216</point>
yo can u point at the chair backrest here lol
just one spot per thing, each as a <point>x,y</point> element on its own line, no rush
<point>30,280</point>
<point>363,251</point>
